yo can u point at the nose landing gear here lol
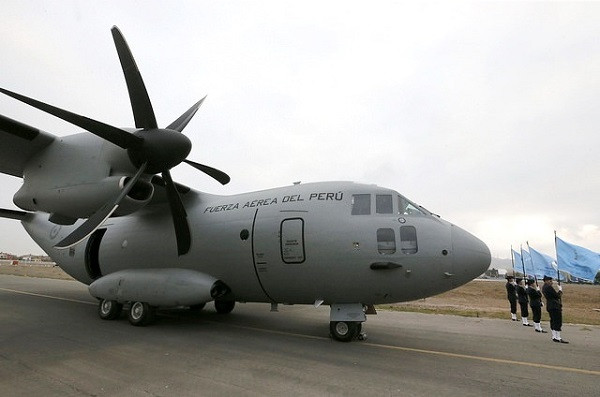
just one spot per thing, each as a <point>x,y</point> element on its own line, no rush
<point>346,322</point>
<point>345,331</point>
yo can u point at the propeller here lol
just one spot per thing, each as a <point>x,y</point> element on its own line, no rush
<point>151,149</point>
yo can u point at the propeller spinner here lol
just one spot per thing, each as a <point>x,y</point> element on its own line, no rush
<point>151,150</point>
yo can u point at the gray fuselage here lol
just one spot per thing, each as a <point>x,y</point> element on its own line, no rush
<point>330,242</point>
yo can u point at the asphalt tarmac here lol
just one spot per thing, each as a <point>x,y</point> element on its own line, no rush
<point>52,343</point>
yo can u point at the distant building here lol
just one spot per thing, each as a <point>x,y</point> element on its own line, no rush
<point>35,258</point>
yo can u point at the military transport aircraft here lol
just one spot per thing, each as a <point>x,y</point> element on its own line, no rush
<point>95,202</point>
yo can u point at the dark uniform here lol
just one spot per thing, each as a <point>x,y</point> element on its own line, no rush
<point>554,308</point>
<point>523,302</point>
<point>535,301</point>
<point>511,295</point>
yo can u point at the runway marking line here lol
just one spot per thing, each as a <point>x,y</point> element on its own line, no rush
<point>377,345</point>
<point>488,359</point>
<point>46,296</point>
<point>431,352</point>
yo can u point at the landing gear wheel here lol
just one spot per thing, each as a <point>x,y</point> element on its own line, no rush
<point>140,314</point>
<point>344,331</point>
<point>224,307</point>
<point>109,310</point>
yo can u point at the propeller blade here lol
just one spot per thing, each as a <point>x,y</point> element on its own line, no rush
<point>94,221</point>
<point>18,129</point>
<point>138,95</point>
<point>12,214</point>
<point>112,134</point>
<point>220,176</point>
<point>184,119</point>
<point>182,229</point>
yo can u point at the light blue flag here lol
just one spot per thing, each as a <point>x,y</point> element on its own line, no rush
<point>578,261</point>
<point>544,265</point>
<point>517,261</point>
<point>528,262</point>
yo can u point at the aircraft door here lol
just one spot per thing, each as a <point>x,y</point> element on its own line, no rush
<point>280,254</point>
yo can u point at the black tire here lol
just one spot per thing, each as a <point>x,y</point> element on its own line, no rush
<point>109,310</point>
<point>140,314</point>
<point>224,307</point>
<point>344,331</point>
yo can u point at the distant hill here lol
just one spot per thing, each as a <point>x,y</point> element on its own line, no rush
<point>499,263</point>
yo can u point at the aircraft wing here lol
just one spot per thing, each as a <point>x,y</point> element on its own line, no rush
<point>18,142</point>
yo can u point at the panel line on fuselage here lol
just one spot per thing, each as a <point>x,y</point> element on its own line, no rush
<point>254,260</point>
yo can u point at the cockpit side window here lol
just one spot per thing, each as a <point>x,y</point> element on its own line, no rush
<point>406,207</point>
<point>361,204</point>
<point>383,204</point>
<point>386,241</point>
<point>408,240</point>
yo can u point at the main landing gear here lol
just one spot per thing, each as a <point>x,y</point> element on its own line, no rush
<point>223,306</point>
<point>109,310</point>
<point>138,313</point>
<point>346,322</point>
<point>142,313</point>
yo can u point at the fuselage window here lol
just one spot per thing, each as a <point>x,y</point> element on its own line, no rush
<point>383,204</point>
<point>361,204</point>
<point>386,241</point>
<point>408,240</point>
<point>292,240</point>
<point>405,207</point>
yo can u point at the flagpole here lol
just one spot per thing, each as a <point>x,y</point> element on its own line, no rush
<point>532,264</point>
<point>523,263</point>
<point>512,259</point>
<point>557,262</point>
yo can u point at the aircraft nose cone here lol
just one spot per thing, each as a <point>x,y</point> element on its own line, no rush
<point>471,257</point>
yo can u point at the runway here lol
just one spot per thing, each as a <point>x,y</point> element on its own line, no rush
<point>52,343</point>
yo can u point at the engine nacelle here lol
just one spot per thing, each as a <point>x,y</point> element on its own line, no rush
<point>82,200</point>
<point>159,287</point>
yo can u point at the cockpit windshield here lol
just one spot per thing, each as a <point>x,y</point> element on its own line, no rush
<point>407,207</point>
<point>367,204</point>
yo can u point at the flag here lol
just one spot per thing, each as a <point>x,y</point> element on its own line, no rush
<point>578,261</point>
<point>528,262</point>
<point>544,265</point>
<point>522,260</point>
<point>517,261</point>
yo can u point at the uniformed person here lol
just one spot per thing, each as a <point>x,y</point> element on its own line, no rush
<point>523,302</point>
<point>535,301</point>
<point>554,308</point>
<point>511,295</point>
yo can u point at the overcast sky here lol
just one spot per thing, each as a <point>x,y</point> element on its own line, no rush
<point>485,113</point>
